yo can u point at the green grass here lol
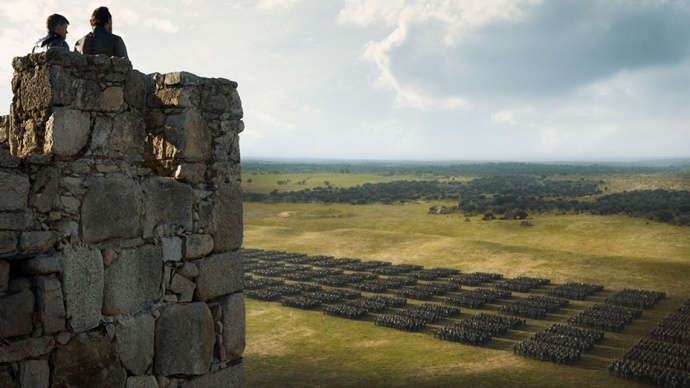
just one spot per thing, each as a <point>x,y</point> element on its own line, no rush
<point>290,347</point>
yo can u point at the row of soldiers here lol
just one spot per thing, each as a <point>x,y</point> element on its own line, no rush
<point>574,290</point>
<point>560,344</point>
<point>675,328</point>
<point>475,279</point>
<point>521,284</point>
<point>534,306</point>
<point>641,299</point>
<point>605,317</point>
<point>477,298</point>
<point>479,329</point>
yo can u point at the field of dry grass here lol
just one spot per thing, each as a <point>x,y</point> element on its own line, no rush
<point>289,347</point>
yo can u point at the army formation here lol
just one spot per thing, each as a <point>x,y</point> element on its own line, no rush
<point>664,359</point>
<point>336,285</point>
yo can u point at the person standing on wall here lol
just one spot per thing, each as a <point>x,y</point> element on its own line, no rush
<point>57,33</point>
<point>101,39</point>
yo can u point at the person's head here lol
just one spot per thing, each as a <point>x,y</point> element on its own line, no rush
<point>101,17</point>
<point>57,24</point>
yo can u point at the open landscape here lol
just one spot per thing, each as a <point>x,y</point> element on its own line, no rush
<point>294,347</point>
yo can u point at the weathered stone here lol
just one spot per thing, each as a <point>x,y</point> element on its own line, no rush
<point>14,191</point>
<point>15,220</point>
<point>16,313</point>
<point>197,246</point>
<point>88,95</point>
<point>28,348</point>
<point>4,275</point>
<point>183,286</point>
<point>184,340</point>
<point>67,132</point>
<point>142,382</point>
<point>88,362</point>
<point>219,275</point>
<point>134,342</point>
<point>233,326</point>
<point>42,265</point>
<point>186,136</point>
<point>230,377</point>
<point>167,202</point>
<point>34,374</point>
<point>129,134</point>
<point>82,273</point>
<point>50,304</point>
<point>113,97</point>
<point>191,172</point>
<point>205,214</point>
<point>70,204</point>
<point>133,281</point>
<point>172,248</point>
<point>111,209</point>
<point>189,270</point>
<point>44,189</point>
<point>36,241</point>
<point>226,226</point>
<point>135,90</point>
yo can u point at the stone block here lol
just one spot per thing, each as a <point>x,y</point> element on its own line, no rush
<point>191,172</point>
<point>184,340</point>
<point>88,361</point>
<point>4,275</point>
<point>189,270</point>
<point>186,136</point>
<point>70,204</point>
<point>111,209</point>
<point>34,89</point>
<point>88,95</point>
<point>182,286</point>
<point>42,265</point>
<point>129,134</point>
<point>34,374</point>
<point>67,132</point>
<point>82,275</point>
<point>27,348</point>
<point>44,190</point>
<point>233,326</point>
<point>197,246</point>
<point>113,97</point>
<point>134,342</point>
<point>172,248</point>
<point>62,91</point>
<point>36,241</point>
<point>167,202</point>
<point>50,304</point>
<point>8,243</point>
<point>230,377</point>
<point>135,90</point>
<point>16,220</point>
<point>226,224</point>
<point>16,313</point>
<point>219,275</point>
<point>141,382</point>
<point>14,191</point>
<point>133,281</point>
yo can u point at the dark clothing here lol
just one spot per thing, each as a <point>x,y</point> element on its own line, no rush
<point>50,41</point>
<point>100,41</point>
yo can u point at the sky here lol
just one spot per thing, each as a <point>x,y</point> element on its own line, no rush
<point>446,80</point>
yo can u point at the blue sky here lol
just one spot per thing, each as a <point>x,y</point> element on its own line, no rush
<point>526,80</point>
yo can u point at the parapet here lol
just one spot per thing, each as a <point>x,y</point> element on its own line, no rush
<point>120,226</point>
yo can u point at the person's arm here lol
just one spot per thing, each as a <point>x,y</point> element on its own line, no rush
<point>121,49</point>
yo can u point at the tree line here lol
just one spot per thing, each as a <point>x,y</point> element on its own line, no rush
<point>502,195</point>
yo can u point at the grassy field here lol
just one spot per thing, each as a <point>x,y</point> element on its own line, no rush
<point>291,347</point>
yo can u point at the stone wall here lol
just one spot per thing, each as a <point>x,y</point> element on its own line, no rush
<point>120,227</point>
